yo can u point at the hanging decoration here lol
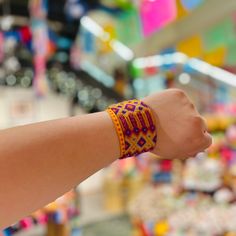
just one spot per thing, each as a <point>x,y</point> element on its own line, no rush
<point>216,57</point>
<point>125,4</point>
<point>1,47</point>
<point>38,12</point>
<point>156,14</point>
<point>181,11</point>
<point>192,46</point>
<point>191,4</point>
<point>128,28</point>
<point>106,44</point>
<point>219,35</point>
<point>231,54</point>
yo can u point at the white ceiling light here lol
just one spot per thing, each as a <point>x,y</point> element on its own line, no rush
<point>92,26</point>
<point>123,51</point>
<point>196,64</point>
<point>213,71</point>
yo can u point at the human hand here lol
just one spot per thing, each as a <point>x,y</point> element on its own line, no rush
<point>181,131</point>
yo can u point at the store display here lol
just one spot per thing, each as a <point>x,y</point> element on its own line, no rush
<point>57,217</point>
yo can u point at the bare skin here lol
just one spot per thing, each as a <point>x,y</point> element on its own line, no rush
<point>42,161</point>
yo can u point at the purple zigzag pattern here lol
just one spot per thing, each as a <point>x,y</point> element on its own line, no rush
<point>125,125</point>
<point>149,118</point>
<point>141,119</point>
<point>133,121</point>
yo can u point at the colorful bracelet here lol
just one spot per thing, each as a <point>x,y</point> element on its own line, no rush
<point>135,127</point>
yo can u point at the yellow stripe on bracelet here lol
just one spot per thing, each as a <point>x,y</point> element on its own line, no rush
<point>118,130</point>
<point>135,127</point>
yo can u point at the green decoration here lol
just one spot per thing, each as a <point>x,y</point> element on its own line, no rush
<point>124,4</point>
<point>128,27</point>
<point>219,35</point>
<point>136,72</point>
<point>231,55</point>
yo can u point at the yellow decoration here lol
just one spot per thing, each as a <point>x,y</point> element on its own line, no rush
<point>161,228</point>
<point>192,46</point>
<point>216,58</point>
<point>231,234</point>
<point>181,12</point>
<point>111,33</point>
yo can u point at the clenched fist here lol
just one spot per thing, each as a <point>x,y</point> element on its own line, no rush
<point>181,131</point>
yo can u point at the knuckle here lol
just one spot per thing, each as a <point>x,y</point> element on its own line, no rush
<point>179,93</point>
<point>192,106</point>
<point>197,121</point>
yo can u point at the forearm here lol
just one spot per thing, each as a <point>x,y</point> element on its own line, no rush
<point>47,159</point>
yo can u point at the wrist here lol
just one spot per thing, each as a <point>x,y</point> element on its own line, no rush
<point>111,136</point>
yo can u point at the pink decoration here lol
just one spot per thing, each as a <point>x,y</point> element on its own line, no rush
<point>155,14</point>
<point>42,219</point>
<point>26,223</point>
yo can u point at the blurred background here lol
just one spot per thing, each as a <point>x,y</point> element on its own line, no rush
<point>61,58</point>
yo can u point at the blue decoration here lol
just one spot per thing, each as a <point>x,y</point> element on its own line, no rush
<point>12,34</point>
<point>162,177</point>
<point>7,232</point>
<point>87,41</point>
<point>188,69</point>
<point>168,51</point>
<point>191,4</point>
<point>63,43</point>
<point>222,94</point>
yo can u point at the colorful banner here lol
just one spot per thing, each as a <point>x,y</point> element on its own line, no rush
<point>181,11</point>
<point>192,46</point>
<point>191,4</point>
<point>217,57</point>
<point>219,35</point>
<point>231,55</point>
<point>128,28</point>
<point>156,14</point>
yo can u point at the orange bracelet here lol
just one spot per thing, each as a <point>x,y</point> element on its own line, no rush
<point>135,127</point>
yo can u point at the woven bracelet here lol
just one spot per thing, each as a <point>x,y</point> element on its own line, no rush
<point>135,126</point>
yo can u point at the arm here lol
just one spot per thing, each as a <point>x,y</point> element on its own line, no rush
<point>40,162</point>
